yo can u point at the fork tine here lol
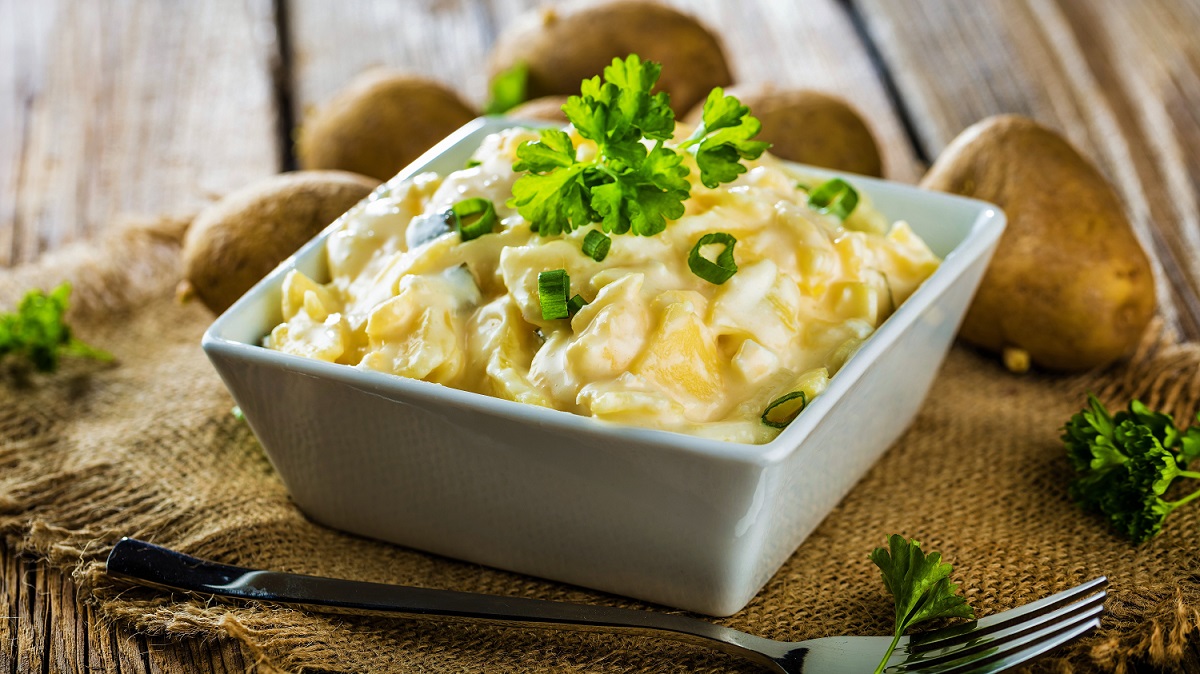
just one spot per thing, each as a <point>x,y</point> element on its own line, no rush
<point>1003,660</point>
<point>1068,614</point>
<point>1011,652</point>
<point>959,633</point>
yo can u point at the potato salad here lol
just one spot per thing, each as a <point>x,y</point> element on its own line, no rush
<point>642,332</point>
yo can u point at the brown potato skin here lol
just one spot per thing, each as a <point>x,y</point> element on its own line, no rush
<point>379,124</point>
<point>546,108</point>
<point>1069,282</point>
<point>809,127</point>
<point>238,240</point>
<point>566,44</point>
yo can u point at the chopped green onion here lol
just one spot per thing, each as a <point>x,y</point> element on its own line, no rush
<point>472,163</point>
<point>781,400</point>
<point>714,272</point>
<point>804,186</point>
<point>508,89</point>
<point>575,304</point>
<point>237,413</point>
<point>552,293</point>
<point>474,217</point>
<point>835,197</point>
<point>596,245</point>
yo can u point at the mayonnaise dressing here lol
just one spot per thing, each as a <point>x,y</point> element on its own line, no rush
<point>655,346</point>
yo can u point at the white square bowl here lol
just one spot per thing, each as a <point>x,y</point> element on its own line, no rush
<point>669,518</point>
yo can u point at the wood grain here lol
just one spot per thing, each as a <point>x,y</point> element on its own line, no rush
<point>127,107</point>
<point>1120,79</point>
<point>106,109</point>
<point>156,106</point>
<point>809,45</point>
<point>44,627</point>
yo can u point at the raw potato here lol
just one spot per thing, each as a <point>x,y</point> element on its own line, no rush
<point>380,123</point>
<point>238,240</point>
<point>546,108</point>
<point>809,127</point>
<point>1069,283</point>
<point>564,45</point>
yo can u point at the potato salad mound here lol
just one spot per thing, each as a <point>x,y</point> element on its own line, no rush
<point>723,325</point>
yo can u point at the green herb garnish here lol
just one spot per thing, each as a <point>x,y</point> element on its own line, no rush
<point>474,217</point>
<point>508,90</point>
<point>1126,462</point>
<point>36,331</point>
<point>920,585</point>
<point>596,245</point>
<point>835,197</point>
<point>627,186</point>
<point>723,139</point>
<point>575,304</point>
<point>718,271</point>
<point>766,415</point>
<point>553,287</point>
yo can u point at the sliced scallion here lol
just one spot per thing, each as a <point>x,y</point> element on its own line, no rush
<point>723,268</point>
<point>781,400</point>
<point>596,245</point>
<point>553,287</point>
<point>835,197</point>
<point>575,304</point>
<point>474,217</point>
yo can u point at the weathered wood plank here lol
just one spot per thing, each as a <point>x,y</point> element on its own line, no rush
<point>105,109</point>
<point>1120,79</point>
<point>109,108</point>
<point>445,40</point>
<point>45,628</point>
<point>811,44</point>
<point>10,596</point>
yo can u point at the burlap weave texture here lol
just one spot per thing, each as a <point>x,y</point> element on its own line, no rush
<point>147,447</point>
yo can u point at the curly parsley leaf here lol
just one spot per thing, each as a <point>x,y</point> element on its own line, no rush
<point>556,202</point>
<point>1189,444</point>
<point>554,150</point>
<point>724,138</point>
<point>634,183</point>
<point>920,585</point>
<point>37,333</point>
<point>1126,462</point>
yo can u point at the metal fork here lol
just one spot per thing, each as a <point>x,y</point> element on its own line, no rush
<point>992,644</point>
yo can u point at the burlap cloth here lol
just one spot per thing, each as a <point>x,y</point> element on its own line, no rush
<point>147,447</point>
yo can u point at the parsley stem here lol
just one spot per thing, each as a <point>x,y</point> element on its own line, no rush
<point>1190,497</point>
<point>887,655</point>
<point>696,137</point>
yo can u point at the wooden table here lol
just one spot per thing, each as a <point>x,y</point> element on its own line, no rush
<point>116,108</point>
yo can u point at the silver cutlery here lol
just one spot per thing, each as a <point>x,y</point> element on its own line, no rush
<point>987,645</point>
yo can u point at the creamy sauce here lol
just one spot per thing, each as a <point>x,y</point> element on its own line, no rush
<point>655,346</point>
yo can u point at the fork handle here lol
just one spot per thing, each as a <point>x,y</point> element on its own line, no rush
<point>156,566</point>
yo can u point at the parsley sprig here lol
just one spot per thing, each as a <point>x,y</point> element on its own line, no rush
<point>1126,462</point>
<point>635,182</point>
<point>920,585</point>
<point>37,333</point>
